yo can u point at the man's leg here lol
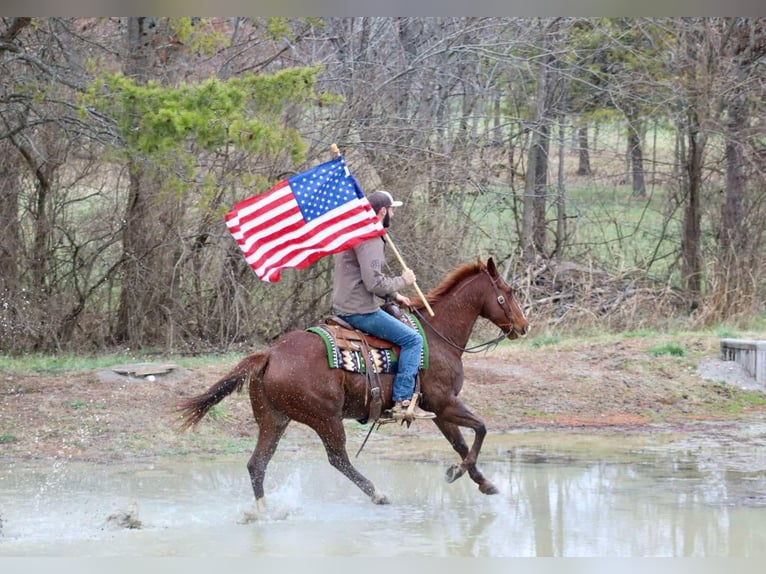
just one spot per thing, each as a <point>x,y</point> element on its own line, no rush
<point>383,325</point>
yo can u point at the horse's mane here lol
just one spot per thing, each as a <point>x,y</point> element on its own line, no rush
<point>454,277</point>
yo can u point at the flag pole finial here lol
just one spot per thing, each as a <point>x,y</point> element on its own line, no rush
<point>334,149</point>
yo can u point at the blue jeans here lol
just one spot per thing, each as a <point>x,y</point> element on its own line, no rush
<point>381,324</point>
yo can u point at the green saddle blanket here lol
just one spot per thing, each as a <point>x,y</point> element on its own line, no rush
<point>382,360</point>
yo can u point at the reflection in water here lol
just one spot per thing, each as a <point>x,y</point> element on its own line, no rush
<point>547,507</point>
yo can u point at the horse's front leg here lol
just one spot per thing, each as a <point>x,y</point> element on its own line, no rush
<point>449,422</point>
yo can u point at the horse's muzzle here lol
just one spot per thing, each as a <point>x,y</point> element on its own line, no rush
<point>516,332</point>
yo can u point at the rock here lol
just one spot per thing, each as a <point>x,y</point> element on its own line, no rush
<point>144,369</point>
<point>143,372</point>
<point>125,519</point>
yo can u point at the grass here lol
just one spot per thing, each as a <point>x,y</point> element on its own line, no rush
<point>218,413</point>
<point>545,340</point>
<point>52,364</point>
<point>638,334</point>
<point>76,405</point>
<point>737,400</point>
<point>727,333</point>
<point>672,349</point>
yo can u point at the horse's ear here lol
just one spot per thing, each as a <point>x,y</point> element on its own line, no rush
<point>491,267</point>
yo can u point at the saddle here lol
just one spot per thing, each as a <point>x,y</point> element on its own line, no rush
<point>346,345</point>
<point>352,350</point>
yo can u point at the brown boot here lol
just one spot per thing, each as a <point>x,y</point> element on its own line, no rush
<point>419,413</point>
<point>402,410</point>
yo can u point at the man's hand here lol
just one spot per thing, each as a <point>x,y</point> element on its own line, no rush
<point>409,276</point>
<point>403,300</point>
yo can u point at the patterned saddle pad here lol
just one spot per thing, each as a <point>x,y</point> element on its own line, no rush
<point>344,348</point>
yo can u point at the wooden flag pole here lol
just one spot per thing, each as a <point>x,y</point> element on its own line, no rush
<point>336,152</point>
<point>415,285</point>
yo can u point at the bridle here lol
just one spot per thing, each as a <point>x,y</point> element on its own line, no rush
<point>505,331</point>
<point>503,305</point>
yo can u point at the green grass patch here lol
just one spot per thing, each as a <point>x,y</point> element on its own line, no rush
<point>724,332</point>
<point>531,413</point>
<point>76,405</point>
<point>7,438</point>
<point>749,399</point>
<point>61,363</point>
<point>638,334</point>
<point>218,413</point>
<point>735,400</point>
<point>545,340</point>
<point>37,363</point>
<point>672,349</point>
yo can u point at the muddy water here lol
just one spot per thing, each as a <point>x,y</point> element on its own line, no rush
<point>554,501</point>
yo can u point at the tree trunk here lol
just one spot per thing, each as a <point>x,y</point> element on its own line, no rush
<point>636,159</point>
<point>583,166</point>
<point>10,186</point>
<point>740,255</point>
<point>692,160</point>
<point>731,216</point>
<point>528,212</point>
<point>561,195</point>
<point>536,177</point>
<point>541,186</point>
<point>10,240</point>
<point>692,213</point>
<point>147,290</point>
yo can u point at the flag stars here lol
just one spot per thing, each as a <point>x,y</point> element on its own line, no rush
<point>322,190</point>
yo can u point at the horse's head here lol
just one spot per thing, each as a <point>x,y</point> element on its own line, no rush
<point>500,305</point>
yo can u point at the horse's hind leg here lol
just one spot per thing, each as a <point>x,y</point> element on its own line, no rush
<point>270,430</point>
<point>333,437</point>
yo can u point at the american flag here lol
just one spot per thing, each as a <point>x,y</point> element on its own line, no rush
<point>315,213</point>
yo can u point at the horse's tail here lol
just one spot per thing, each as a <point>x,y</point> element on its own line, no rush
<point>194,409</point>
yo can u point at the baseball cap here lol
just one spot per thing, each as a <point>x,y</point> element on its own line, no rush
<point>383,199</point>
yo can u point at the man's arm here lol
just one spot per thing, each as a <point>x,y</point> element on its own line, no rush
<point>371,261</point>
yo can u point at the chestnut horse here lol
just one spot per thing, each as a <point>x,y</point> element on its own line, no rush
<point>291,380</point>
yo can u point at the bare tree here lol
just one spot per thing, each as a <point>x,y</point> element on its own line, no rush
<point>536,183</point>
<point>740,231</point>
<point>105,240</point>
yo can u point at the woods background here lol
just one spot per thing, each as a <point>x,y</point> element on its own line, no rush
<point>613,167</point>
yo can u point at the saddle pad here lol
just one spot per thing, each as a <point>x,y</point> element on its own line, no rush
<point>340,355</point>
<point>382,360</point>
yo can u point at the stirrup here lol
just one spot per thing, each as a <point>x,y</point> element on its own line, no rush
<point>409,411</point>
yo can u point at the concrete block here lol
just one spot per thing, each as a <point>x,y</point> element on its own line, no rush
<point>749,353</point>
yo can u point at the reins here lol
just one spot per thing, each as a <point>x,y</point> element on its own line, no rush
<point>481,346</point>
<point>475,349</point>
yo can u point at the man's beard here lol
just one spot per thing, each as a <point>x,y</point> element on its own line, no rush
<point>386,220</point>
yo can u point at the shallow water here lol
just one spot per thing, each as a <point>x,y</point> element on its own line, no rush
<point>642,504</point>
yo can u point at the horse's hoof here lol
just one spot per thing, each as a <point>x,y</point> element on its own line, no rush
<point>453,473</point>
<point>379,498</point>
<point>261,513</point>
<point>249,516</point>
<point>488,488</point>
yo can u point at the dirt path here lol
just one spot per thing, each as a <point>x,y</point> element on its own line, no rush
<point>615,388</point>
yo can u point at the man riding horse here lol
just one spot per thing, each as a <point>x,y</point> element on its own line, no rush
<point>359,290</point>
<point>293,380</point>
